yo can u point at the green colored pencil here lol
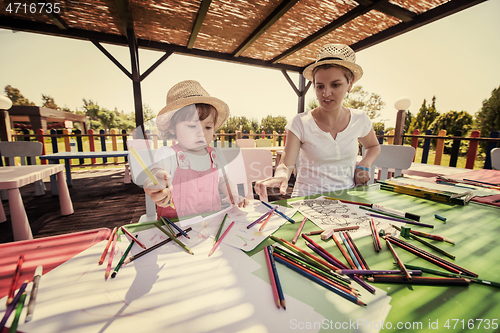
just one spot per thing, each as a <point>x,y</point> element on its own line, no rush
<point>172,237</point>
<point>120,263</point>
<point>19,309</point>
<point>432,246</point>
<point>220,229</point>
<point>386,214</point>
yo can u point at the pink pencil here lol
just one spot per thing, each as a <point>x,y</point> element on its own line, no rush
<point>111,256</point>
<point>299,231</point>
<point>220,239</point>
<point>273,280</point>
<point>133,238</point>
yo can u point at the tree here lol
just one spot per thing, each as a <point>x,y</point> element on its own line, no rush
<point>488,118</point>
<point>48,102</point>
<point>363,100</point>
<point>270,124</point>
<point>234,123</point>
<point>425,117</point>
<point>16,97</point>
<point>313,104</point>
<point>451,122</point>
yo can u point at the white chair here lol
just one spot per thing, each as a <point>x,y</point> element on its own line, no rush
<point>138,175</point>
<point>391,157</point>
<point>258,166</point>
<point>495,158</point>
<point>244,143</point>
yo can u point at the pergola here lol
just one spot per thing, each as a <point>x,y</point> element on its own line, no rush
<point>279,34</point>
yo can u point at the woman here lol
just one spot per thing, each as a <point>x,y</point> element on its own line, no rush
<point>327,137</point>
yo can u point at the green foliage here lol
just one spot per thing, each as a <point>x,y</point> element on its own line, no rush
<point>378,126</point>
<point>48,102</point>
<point>488,118</point>
<point>270,124</point>
<point>16,97</point>
<point>425,117</point>
<point>408,119</point>
<point>451,122</point>
<point>313,104</point>
<point>363,100</point>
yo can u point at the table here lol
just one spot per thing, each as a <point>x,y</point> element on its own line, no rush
<point>13,177</point>
<point>431,170</point>
<point>67,156</point>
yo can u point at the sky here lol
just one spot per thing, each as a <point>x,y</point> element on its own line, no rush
<point>455,59</point>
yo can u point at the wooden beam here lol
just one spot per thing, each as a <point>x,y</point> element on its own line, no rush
<point>156,64</point>
<point>265,25</point>
<point>200,17</point>
<point>123,7</point>
<point>110,57</point>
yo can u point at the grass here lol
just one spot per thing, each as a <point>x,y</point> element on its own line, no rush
<point>445,159</point>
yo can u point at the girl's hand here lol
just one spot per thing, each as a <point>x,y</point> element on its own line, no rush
<point>161,193</point>
<point>262,185</point>
<point>361,177</point>
<point>243,203</point>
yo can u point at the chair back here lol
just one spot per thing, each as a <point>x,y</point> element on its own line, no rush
<point>245,143</point>
<point>137,173</point>
<point>392,157</point>
<point>258,166</point>
<point>495,158</point>
<point>22,149</point>
<point>263,142</point>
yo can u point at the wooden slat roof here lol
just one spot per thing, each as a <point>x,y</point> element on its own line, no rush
<point>282,34</point>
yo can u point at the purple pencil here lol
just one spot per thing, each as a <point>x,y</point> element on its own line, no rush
<point>400,220</point>
<point>12,306</point>
<point>372,271</point>
<point>261,218</point>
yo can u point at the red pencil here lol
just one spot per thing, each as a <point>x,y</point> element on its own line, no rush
<point>107,246</point>
<point>15,278</point>
<point>271,277</point>
<point>111,256</point>
<point>133,238</point>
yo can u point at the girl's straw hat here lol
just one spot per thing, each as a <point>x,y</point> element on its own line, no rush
<point>339,54</point>
<point>186,93</point>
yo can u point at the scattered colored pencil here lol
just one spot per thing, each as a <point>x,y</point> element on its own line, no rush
<point>317,232</point>
<point>350,202</point>
<point>356,250</point>
<point>17,315</point>
<point>324,253</point>
<point>434,237</point>
<point>176,227</point>
<point>344,253</point>
<point>299,231</point>
<point>143,165</point>
<point>428,281</point>
<point>376,271</point>
<point>111,236</point>
<point>279,213</point>
<point>220,239</point>
<point>263,225</point>
<point>10,308</point>
<point>133,238</point>
<point>34,291</point>
<point>276,277</point>
<point>376,239</point>
<point>480,182</point>
<point>151,248</point>
<point>271,278</point>
<point>328,233</point>
<point>111,257</point>
<point>220,229</point>
<point>350,251</point>
<point>400,220</point>
<point>122,259</point>
<point>396,257</point>
<point>15,278</point>
<point>172,237</point>
<point>260,218</point>
<point>395,212</point>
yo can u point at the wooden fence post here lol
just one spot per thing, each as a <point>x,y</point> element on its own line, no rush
<point>91,143</point>
<point>455,149</point>
<point>439,148</point>
<point>103,145</point>
<point>491,145</point>
<point>472,153</point>
<point>390,141</point>
<point>427,147</point>
<point>284,138</point>
<point>41,139</point>
<point>414,142</point>
<point>381,139</point>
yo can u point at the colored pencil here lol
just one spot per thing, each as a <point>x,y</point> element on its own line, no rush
<point>17,315</point>
<point>328,258</point>
<point>428,281</point>
<point>15,278</point>
<point>122,259</point>
<point>350,202</point>
<point>133,238</point>
<point>344,253</point>
<point>271,278</point>
<point>350,251</point>
<point>279,213</point>
<point>396,257</point>
<point>317,232</point>
<point>338,262</point>
<point>143,165</point>
<point>328,233</point>
<point>299,231</point>
<point>220,239</point>
<point>34,291</point>
<point>357,251</point>
<point>220,229</point>
<point>434,237</point>
<point>480,182</point>
<point>175,226</point>
<point>10,308</point>
<point>432,246</point>
<point>404,219</point>
<point>172,237</point>
<point>400,220</point>
<point>395,212</point>
<point>376,239</point>
<point>263,225</point>
<point>377,272</point>
<point>107,245</point>
<point>276,277</point>
<point>151,248</point>
<point>111,257</point>
<point>421,192</point>
<point>311,277</point>
<point>260,218</point>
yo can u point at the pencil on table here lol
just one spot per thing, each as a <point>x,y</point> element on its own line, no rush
<point>432,246</point>
<point>428,281</point>
<point>111,256</point>
<point>122,259</point>
<point>344,253</point>
<point>175,226</point>
<point>327,234</point>
<point>12,305</point>
<point>357,251</point>
<point>299,230</point>
<point>15,278</point>
<point>350,251</point>
<point>220,229</point>
<point>375,235</point>
<point>336,262</point>
<point>17,315</point>
<point>276,277</point>
<point>107,245</point>
<point>351,202</point>
<point>396,257</point>
<point>220,239</point>
<point>279,213</point>
<point>34,291</point>
<point>172,237</point>
<point>267,219</point>
<point>317,232</point>
<point>271,278</point>
<point>260,218</point>
<point>133,238</point>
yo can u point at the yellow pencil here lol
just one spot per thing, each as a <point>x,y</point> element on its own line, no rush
<point>143,165</point>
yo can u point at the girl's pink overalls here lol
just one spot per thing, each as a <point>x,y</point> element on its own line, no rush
<point>193,192</point>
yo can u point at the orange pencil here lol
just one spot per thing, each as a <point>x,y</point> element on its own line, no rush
<point>133,238</point>
<point>111,256</point>
<point>267,219</point>
<point>107,246</point>
<point>17,273</point>
<point>344,253</point>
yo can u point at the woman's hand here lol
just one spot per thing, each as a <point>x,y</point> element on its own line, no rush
<point>361,177</point>
<point>161,194</point>
<point>262,185</point>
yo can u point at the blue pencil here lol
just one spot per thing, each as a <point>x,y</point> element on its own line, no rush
<point>276,277</point>
<point>278,212</point>
<point>175,226</point>
<point>322,283</point>
<point>351,253</point>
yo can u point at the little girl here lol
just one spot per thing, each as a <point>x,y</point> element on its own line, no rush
<point>190,172</point>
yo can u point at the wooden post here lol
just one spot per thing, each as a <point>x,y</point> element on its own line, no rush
<point>103,145</point>
<point>400,127</point>
<point>472,153</point>
<point>455,149</point>
<point>114,143</point>
<point>414,142</point>
<point>41,139</point>
<point>390,141</point>
<point>222,139</point>
<point>274,138</point>
<point>439,148</point>
<point>91,144</point>
<point>427,146</point>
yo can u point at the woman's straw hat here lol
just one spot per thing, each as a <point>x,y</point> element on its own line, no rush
<point>339,54</point>
<point>186,93</point>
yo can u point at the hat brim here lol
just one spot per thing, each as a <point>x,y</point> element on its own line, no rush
<point>168,111</point>
<point>356,70</point>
